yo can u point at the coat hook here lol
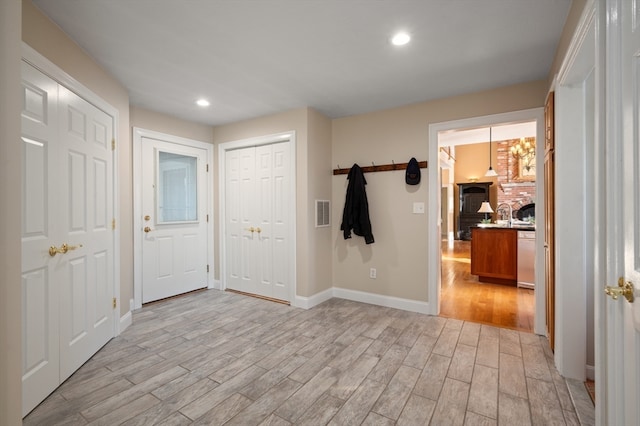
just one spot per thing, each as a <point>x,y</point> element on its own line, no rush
<point>373,164</point>
<point>338,166</point>
<point>393,163</point>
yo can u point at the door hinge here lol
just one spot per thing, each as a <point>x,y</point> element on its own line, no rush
<point>207,218</point>
<point>113,224</point>
<point>113,144</point>
<point>114,303</point>
<point>207,269</point>
<point>207,167</point>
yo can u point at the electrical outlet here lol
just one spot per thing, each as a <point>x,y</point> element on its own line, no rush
<point>372,273</point>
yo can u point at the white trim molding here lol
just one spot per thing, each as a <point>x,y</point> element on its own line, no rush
<point>125,321</point>
<point>382,300</point>
<point>315,300</point>
<point>433,245</point>
<point>363,297</point>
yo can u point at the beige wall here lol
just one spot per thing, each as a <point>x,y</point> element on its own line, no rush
<point>400,251</point>
<point>318,166</point>
<point>45,37</point>
<point>158,122</point>
<point>10,215</point>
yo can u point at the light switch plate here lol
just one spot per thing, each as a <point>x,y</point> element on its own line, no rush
<point>418,208</point>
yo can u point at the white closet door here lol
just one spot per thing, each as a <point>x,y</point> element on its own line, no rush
<point>281,222</point>
<point>86,210</point>
<point>40,272</point>
<point>67,237</point>
<point>257,212</point>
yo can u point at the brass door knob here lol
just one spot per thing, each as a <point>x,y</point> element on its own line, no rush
<point>624,289</point>
<point>147,229</point>
<point>252,230</point>
<point>53,250</point>
<point>258,230</point>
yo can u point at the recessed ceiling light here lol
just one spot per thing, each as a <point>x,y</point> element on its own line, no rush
<point>203,102</point>
<point>400,39</point>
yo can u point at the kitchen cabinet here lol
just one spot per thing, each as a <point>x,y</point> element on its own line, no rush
<point>470,197</point>
<point>494,255</point>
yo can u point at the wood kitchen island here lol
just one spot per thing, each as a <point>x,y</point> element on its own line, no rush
<point>494,254</point>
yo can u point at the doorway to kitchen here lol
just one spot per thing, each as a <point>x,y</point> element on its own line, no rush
<point>465,150</point>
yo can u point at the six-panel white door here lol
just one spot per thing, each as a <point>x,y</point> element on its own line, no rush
<point>174,226</point>
<point>621,320</point>
<point>67,238</point>
<point>257,220</point>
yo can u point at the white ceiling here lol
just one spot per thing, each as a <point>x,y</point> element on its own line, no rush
<point>251,58</point>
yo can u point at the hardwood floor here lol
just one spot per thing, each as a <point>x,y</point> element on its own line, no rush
<point>212,358</point>
<point>463,297</point>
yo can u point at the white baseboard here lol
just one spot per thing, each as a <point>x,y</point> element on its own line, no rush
<point>381,300</point>
<point>315,300</point>
<point>125,321</point>
<point>591,372</point>
<point>216,285</point>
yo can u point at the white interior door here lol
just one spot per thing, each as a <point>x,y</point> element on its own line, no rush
<point>175,215</point>
<point>85,200</point>
<point>257,220</point>
<point>40,272</point>
<point>68,242</point>
<point>622,317</point>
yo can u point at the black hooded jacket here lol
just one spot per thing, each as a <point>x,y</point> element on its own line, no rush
<point>356,207</point>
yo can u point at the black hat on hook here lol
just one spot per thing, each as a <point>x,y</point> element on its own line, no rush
<point>412,176</point>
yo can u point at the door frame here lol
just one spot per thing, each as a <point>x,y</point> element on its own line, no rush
<point>289,136</point>
<point>41,63</point>
<point>434,275</point>
<point>138,135</point>
<point>578,158</point>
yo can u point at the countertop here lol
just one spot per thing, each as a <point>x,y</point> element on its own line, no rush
<point>516,226</point>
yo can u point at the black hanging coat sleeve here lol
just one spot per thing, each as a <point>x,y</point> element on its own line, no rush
<point>356,207</point>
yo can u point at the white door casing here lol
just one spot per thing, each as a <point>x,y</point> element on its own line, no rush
<point>173,238</point>
<point>257,181</point>
<point>68,198</point>
<point>434,205</point>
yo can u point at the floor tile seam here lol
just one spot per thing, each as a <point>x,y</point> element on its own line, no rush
<point>526,401</point>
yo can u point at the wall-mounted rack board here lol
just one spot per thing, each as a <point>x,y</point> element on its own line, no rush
<point>379,168</point>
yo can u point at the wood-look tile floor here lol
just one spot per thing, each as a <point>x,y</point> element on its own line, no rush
<point>212,358</point>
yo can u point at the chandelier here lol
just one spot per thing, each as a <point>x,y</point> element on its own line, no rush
<point>525,151</point>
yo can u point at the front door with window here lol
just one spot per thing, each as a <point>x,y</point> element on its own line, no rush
<point>175,218</point>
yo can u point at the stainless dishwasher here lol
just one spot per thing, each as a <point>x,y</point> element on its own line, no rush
<point>526,258</point>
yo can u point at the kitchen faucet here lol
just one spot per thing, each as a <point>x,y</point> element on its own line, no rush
<point>510,219</point>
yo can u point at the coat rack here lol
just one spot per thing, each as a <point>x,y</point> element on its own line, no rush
<point>379,168</point>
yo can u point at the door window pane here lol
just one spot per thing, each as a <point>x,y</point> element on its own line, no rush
<point>177,188</point>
